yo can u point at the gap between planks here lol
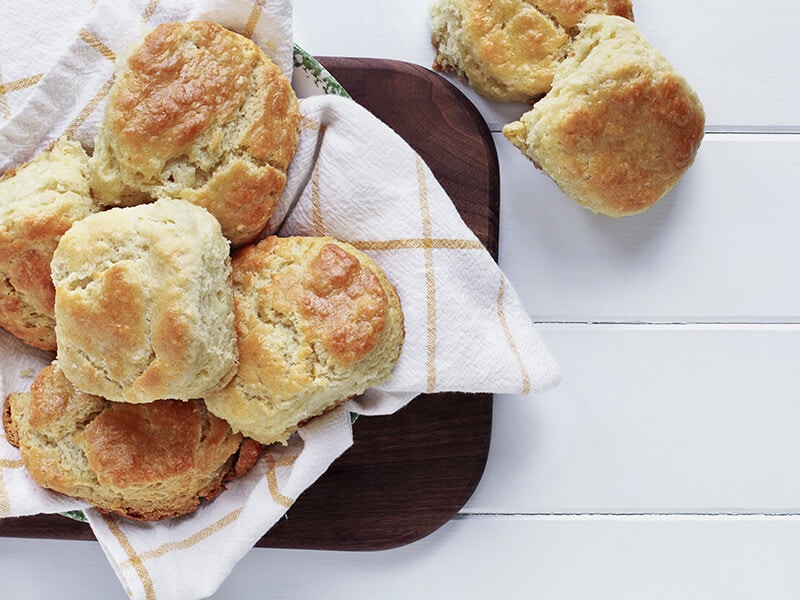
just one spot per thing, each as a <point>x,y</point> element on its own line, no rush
<point>684,325</point>
<point>655,516</point>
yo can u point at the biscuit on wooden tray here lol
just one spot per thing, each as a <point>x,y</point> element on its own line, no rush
<point>200,113</point>
<point>144,305</point>
<point>145,461</point>
<point>508,49</point>
<point>317,322</point>
<point>620,126</point>
<point>39,201</point>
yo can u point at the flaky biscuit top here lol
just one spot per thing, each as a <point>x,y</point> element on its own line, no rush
<point>146,461</point>
<point>200,113</point>
<point>144,306</point>
<point>342,304</point>
<point>185,79</point>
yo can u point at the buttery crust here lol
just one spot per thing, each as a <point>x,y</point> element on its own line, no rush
<point>508,50</point>
<point>200,113</point>
<point>317,322</point>
<point>39,201</point>
<point>620,126</point>
<point>145,462</point>
<point>144,305</point>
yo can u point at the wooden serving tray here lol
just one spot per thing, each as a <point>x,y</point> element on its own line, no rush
<point>406,474</point>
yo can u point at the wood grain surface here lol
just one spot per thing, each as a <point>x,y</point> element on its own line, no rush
<point>406,474</point>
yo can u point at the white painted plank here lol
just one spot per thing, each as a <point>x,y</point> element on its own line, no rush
<point>653,419</point>
<point>737,54</point>
<point>34,569</point>
<point>554,559</point>
<point>648,419</point>
<point>478,558</point>
<point>398,30</point>
<point>721,246</point>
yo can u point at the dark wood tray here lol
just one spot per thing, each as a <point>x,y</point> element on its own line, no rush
<point>406,474</point>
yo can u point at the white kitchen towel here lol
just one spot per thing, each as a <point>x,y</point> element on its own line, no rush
<point>353,178</point>
<point>356,180</point>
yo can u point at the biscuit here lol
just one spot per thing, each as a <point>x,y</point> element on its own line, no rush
<point>39,201</point>
<point>508,49</point>
<point>620,126</point>
<point>317,322</point>
<point>145,462</point>
<point>200,113</point>
<point>144,305</point>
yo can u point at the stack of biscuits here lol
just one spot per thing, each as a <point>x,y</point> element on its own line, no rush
<point>612,123</point>
<point>184,340</point>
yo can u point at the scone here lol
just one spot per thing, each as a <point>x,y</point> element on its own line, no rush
<point>146,462</point>
<point>318,322</point>
<point>508,49</point>
<point>144,305</point>
<point>620,126</point>
<point>39,201</point>
<point>200,113</point>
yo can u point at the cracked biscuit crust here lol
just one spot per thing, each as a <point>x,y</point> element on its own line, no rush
<point>145,462</point>
<point>144,305</point>
<point>317,323</point>
<point>509,49</point>
<point>201,113</point>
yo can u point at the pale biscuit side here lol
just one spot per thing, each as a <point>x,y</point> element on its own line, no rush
<point>39,202</point>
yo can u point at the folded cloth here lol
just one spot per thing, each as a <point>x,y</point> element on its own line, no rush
<point>352,178</point>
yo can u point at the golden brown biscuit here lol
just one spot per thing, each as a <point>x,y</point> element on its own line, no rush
<point>144,305</point>
<point>146,462</point>
<point>509,49</point>
<point>39,201</point>
<point>317,322</point>
<point>200,113</point>
<point>620,126</point>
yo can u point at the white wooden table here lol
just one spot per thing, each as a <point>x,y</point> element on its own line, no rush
<point>667,464</point>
